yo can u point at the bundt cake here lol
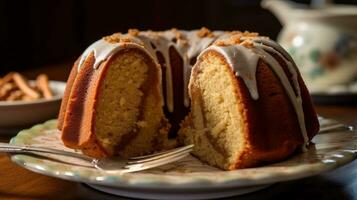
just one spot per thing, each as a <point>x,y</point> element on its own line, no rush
<point>244,105</point>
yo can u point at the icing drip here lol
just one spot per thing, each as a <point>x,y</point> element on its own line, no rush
<point>162,44</point>
<point>103,49</point>
<point>295,100</point>
<point>273,47</point>
<point>244,62</point>
<point>189,45</point>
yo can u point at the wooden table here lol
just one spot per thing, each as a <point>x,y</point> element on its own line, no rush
<point>19,183</point>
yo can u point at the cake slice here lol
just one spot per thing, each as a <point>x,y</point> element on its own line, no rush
<point>249,105</point>
<point>114,106</point>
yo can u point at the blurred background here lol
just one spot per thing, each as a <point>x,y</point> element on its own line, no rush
<point>36,34</point>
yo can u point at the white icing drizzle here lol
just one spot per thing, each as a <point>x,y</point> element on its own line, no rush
<point>295,99</point>
<point>244,62</point>
<point>189,45</point>
<point>103,49</point>
<point>273,47</point>
<point>162,45</point>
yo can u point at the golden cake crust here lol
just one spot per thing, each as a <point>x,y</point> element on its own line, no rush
<point>77,123</point>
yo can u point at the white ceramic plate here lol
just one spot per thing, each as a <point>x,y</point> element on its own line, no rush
<point>187,178</point>
<point>16,115</point>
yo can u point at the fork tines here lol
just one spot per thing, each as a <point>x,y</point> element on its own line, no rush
<point>161,155</point>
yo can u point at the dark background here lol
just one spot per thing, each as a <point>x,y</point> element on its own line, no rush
<point>40,32</point>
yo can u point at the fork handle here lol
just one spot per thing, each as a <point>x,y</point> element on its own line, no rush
<point>11,148</point>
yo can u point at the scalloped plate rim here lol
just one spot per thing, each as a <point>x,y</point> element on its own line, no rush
<point>159,181</point>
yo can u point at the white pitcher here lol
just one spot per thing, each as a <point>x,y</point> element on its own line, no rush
<point>323,42</point>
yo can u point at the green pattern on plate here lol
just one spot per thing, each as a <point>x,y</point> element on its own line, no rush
<point>315,55</point>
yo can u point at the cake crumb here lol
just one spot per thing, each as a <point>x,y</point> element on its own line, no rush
<point>114,38</point>
<point>220,43</point>
<point>238,38</point>
<point>119,38</point>
<point>133,32</point>
<point>125,39</point>
<point>178,34</point>
<point>205,32</point>
<point>142,124</point>
<point>250,34</point>
<point>122,101</point>
<point>247,43</point>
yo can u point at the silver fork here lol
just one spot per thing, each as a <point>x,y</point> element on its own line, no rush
<point>110,165</point>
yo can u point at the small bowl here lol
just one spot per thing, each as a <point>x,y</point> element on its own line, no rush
<point>18,115</point>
